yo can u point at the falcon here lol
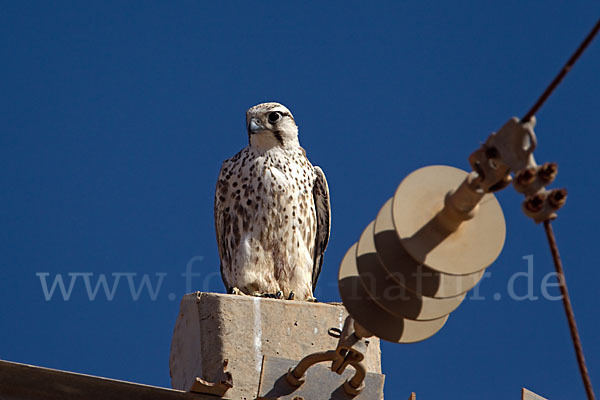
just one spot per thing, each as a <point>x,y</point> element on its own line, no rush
<point>272,211</point>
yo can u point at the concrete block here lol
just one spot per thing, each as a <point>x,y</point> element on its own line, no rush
<point>213,327</point>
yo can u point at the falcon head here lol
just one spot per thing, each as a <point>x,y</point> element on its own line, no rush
<point>271,125</point>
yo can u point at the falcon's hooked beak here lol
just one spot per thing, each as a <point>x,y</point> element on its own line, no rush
<point>255,126</point>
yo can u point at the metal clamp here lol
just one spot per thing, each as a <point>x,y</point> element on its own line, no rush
<point>511,150</point>
<point>350,350</point>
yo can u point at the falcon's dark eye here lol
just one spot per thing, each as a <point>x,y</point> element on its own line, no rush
<point>274,117</point>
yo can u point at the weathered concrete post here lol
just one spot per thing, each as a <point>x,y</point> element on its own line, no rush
<point>212,328</point>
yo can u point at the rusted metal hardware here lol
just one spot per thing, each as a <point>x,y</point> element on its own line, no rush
<point>511,150</point>
<point>351,347</point>
<point>356,384</point>
<point>319,383</point>
<point>540,203</point>
<point>542,206</point>
<point>531,179</point>
<point>215,389</point>
<point>350,351</point>
<point>295,376</point>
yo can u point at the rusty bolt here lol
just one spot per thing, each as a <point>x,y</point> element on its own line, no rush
<point>525,177</point>
<point>535,203</point>
<point>548,172</point>
<point>557,198</point>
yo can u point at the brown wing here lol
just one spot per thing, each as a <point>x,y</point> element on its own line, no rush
<point>220,222</point>
<point>323,210</point>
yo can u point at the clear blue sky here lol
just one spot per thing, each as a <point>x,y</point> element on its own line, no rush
<point>115,117</point>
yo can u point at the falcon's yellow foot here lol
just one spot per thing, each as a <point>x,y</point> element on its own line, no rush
<point>237,291</point>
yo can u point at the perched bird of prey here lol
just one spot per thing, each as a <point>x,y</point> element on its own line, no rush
<point>272,212</point>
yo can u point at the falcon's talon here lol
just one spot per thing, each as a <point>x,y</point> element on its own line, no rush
<point>236,291</point>
<point>312,299</point>
<point>291,296</point>
<point>279,294</point>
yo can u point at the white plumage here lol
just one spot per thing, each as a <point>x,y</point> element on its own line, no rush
<point>272,211</point>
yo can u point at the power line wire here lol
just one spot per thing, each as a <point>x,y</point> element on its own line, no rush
<point>548,227</point>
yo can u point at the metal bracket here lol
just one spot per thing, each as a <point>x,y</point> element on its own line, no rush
<point>215,389</point>
<point>511,150</point>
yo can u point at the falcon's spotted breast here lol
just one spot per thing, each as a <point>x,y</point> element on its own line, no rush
<point>272,212</point>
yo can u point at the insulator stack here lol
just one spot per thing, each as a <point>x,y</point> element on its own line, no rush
<point>428,246</point>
